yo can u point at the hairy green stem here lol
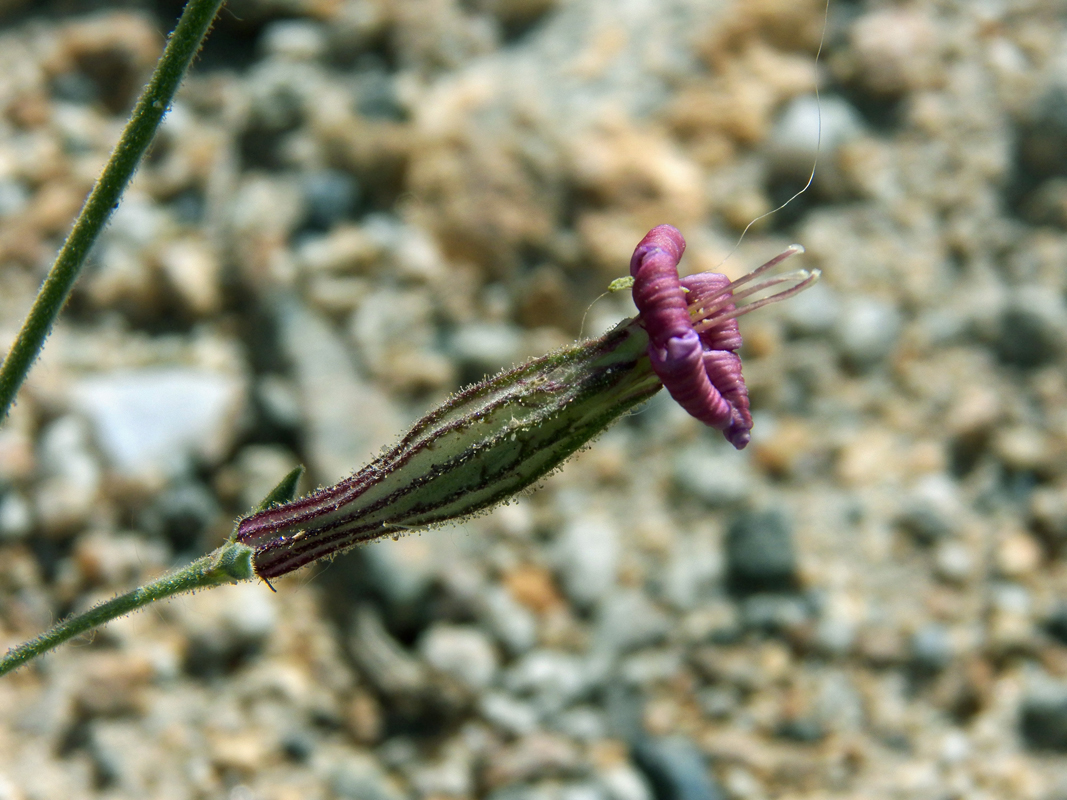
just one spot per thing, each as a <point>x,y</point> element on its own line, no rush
<point>183,44</point>
<point>229,564</point>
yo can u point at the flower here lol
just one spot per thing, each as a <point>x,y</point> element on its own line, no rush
<point>692,328</point>
<point>500,436</point>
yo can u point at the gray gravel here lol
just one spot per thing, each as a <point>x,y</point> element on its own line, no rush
<point>355,208</point>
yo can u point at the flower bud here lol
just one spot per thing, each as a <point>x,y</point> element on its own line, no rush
<point>484,445</point>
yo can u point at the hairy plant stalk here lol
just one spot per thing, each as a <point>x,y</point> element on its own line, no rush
<point>229,564</point>
<point>183,44</point>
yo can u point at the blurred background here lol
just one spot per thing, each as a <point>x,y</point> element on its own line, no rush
<point>356,207</point>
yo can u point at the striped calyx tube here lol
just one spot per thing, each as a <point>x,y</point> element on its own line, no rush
<point>484,445</point>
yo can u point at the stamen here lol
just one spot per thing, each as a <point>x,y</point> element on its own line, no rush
<point>701,309</point>
<point>809,278</point>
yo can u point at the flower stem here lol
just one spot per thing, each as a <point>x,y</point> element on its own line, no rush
<point>183,44</point>
<point>229,564</point>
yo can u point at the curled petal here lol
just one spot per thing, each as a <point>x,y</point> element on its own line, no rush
<point>677,352</point>
<point>657,291</point>
<point>680,365</point>
<point>723,369</point>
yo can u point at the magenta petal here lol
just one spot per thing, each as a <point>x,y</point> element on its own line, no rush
<point>698,370</point>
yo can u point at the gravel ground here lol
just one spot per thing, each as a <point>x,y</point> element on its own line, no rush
<point>358,206</point>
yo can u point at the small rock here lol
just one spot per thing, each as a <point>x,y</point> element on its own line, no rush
<point>152,421</point>
<point>813,128</point>
<point>337,439</point>
<point>193,269</point>
<point>774,613</point>
<point>516,717</point>
<point>536,756</point>
<point>629,620</point>
<point>330,196</point>
<point>182,514</point>
<point>1044,134</point>
<point>759,554</point>
<point>804,730</point>
<point>1043,721</point>
<point>71,475</point>
<point>624,782</point>
<point>13,197</point>
<point>587,555</point>
<point>1031,330</point>
<point>293,40</point>
<point>226,626</point>
<point>835,636</point>
<point>583,724</point>
<point>512,623</point>
<point>896,50</point>
<point>716,478</point>
<point>813,312</point>
<point>1056,623</point>
<point>463,652</point>
<point>676,769</point>
<point>866,332</point>
<point>112,559</point>
<point>552,679</point>
<point>486,346</point>
<point>360,777</point>
<point>931,648</point>
<point>16,516</point>
<point>1018,555</point>
<point>932,510</point>
<point>695,567</point>
<point>953,562</point>
<point>402,571</point>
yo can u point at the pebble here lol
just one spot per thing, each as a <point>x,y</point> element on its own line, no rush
<point>932,509</point>
<point>628,620</point>
<point>623,781</point>
<point>675,769</point>
<point>514,716</point>
<point>1043,721</point>
<point>182,516</point>
<point>774,613</point>
<point>759,553</point>
<point>359,777</point>
<point>896,50</point>
<point>486,346</point>
<point>293,40</point>
<point>330,196</point>
<point>813,128</point>
<point>1031,329</point>
<point>71,475</point>
<point>552,679</point>
<point>195,271</point>
<point>464,652</point>
<point>953,562</point>
<point>227,626</point>
<point>153,421</point>
<point>337,441</point>
<point>813,312</point>
<point>16,516</point>
<point>931,648</point>
<point>513,623</point>
<point>866,332</point>
<point>586,556</point>
<point>402,571</point>
<point>716,478</point>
